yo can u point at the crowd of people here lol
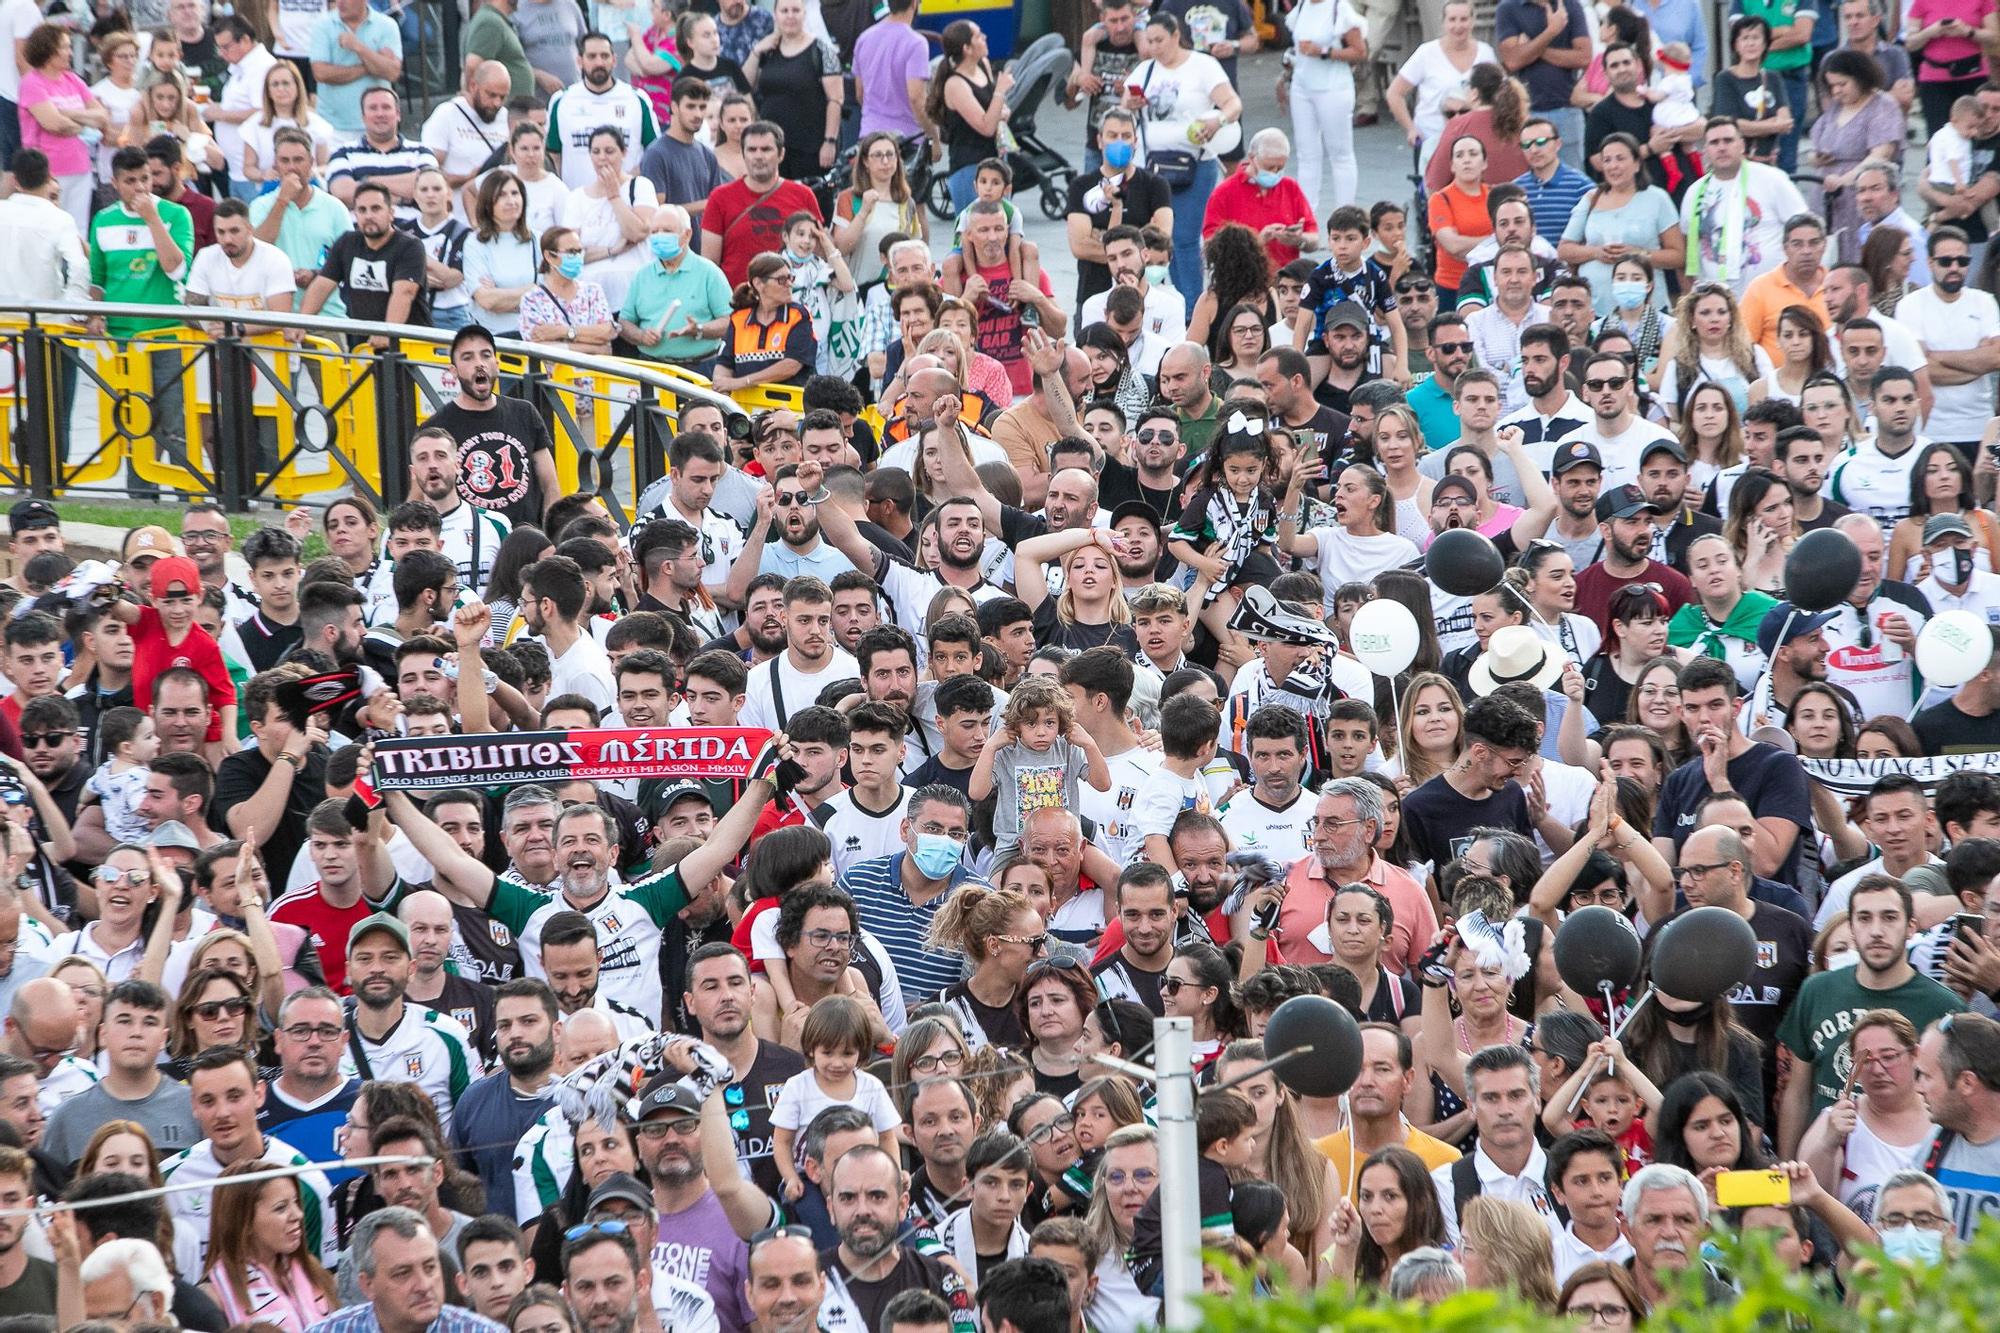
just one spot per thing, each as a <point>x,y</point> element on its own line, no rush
<point>1048,603</point>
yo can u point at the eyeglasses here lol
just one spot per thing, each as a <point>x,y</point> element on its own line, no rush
<point>820,939</point>
<point>1615,382</point>
<point>1145,1177</point>
<point>1453,502</point>
<point>35,740</point>
<point>930,1064</point>
<point>1333,823</point>
<point>940,831</point>
<point>1061,1124</point>
<point>607,1226</point>
<point>791,500</point>
<point>784,278</point>
<point>684,1128</point>
<point>236,1006</point>
<point>1925,1221</point>
<point>1609,1313</point>
<point>1454,348</point>
<point>48,1055</point>
<point>113,875</point>
<point>1162,436</point>
<point>202,538</point>
<point>313,1032</point>
<point>1699,872</point>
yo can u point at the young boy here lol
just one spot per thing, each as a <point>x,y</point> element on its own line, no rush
<point>1586,1174</point>
<point>165,635</point>
<point>1291,288</point>
<point>1388,228</point>
<point>1035,759</point>
<point>119,783</point>
<point>1189,728</point>
<point>964,710</point>
<point>1348,276</point>
<point>1225,1132</point>
<point>988,1228</point>
<point>994,182</point>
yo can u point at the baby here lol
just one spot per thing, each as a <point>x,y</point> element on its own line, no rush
<point>1672,89</point>
<point>119,783</point>
<point>1949,165</point>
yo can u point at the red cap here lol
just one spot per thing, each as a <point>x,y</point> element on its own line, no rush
<point>172,569</point>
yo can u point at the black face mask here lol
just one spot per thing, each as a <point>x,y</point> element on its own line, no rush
<point>1691,1018</point>
<point>1961,566</point>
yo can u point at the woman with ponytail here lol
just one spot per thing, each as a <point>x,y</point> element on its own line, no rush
<point>1001,935</point>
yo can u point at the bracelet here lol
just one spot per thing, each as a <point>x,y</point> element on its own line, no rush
<point>287,757</point>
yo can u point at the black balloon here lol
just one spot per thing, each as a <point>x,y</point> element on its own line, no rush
<point>1463,562</point>
<point>1703,954</point>
<point>1597,945</point>
<point>1821,570</point>
<point>1332,1042</point>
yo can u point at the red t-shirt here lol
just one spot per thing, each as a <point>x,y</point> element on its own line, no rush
<point>750,222</point>
<point>740,937</point>
<point>1238,199</point>
<point>1596,586</point>
<point>328,925</point>
<point>999,331</point>
<point>152,654</point>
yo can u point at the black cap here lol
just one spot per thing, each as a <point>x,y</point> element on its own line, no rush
<point>620,1187</point>
<point>679,792</point>
<point>26,515</point>
<point>1136,509</point>
<point>1570,453</point>
<point>1454,482</point>
<point>1666,444</point>
<point>667,1095</point>
<point>1623,502</point>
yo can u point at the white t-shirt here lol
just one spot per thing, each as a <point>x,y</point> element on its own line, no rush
<point>1111,811</point>
<point>1345,558</point>
<point>576,111</point>
<point>1254,826</point>
<point>1722,371</point>
<point>1949,161</point>
<point>1326,23</point>
<point>18,18</point>
<point>1430,71</point>
<point>1981,596</point>
<point>242,91</point>
<point>461,139</point>
<point>1621,451</point>
<point>296,21</point>
<point>860,834</point>
<point>1163,326</point>
<point>802,1098</point>
<point>119,102</point>
<point>242,287</point>
<point>761,706</point>
<point>1959,412</point>
<point>262,139</point>
<point>586,670</point>
<point>1176,98</point>
<point>1737,227</point>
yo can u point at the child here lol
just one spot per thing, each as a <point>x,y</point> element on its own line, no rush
<point>834,1039</point>
<point>1291,288</point>
<point>964,711</point>
<point>992,181</point>
<point>1190,730</point>
<point>1034,759</point>
<point>1159,249</point>
<point>119,783</point>
<point>1617,1098</point>
<point>1350,276</point>
<point>1229,521</point>
<point>818,273</point>
<point>1000,1171</point>
<point>1949,166</point>
<point>1225,1131</point>
<point>1672,93</point>
<point>1388,238</point>
<point>165,634</point>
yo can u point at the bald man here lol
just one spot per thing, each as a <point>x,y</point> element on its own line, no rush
<point>41,1028</point>
<point>677,308</point>
<point>434,949</point>
<point>1029,427</point>
<point>1184,383</point>
<point>469,130</point>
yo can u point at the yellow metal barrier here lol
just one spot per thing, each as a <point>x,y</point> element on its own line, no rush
<point>86,462</point>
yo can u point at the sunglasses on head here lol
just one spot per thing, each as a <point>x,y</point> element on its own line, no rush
<point>1417,288</point>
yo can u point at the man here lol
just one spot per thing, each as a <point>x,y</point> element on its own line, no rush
<point>863,821</point>
<point>1900,826</point>
<point>892,74</point>
<point>1343,852</point>
<point>400,1271</point>
<point>1821,1020</point>
<point>1956,324</point>
<point>225,1092</point>
<point>1552,412</point>
<point>1286,375</point>
<point>1499,332</point>
<point>386,1031</point>
<point>1628,111</point>
<point>695,1241</point>
<point>1735,252</point>
<point>799,551</point>
<point>868,1201</point>
<point>50,264</point>
<point>717,1002</point>
<point>1552,185</point>
<point>1625,440</point>
<point>414,1184</point>
<point>1626,522</point>
<point>1794,643</point>
<point>1435,398</point>
<point>124,1279</point>
<point>298,217</point>
<point>309,1099</point>
<point>943,1122</point>
<point>1275,814</point>
<point>506,458</point>
<point>132,1037</point>
<point>1501,1083</point>
<point>1260,196</point>
<point>985,268</point>
<point>678,280</point>
<point>1800,458</point>
<point>428,915</point>
<point>550,35</point>
<point>1873,477</point>
<point>1184,382</point>
<point>682,169</point>
<point>1955,582</point>
<point>899,894</point>
<point>465,132</point>
<point>1728,761</point>
<point>785,1287</point>
<point>1666,1216</point>
<point>242,94</point>
<point>1116,199</point>
<point>1586,1171</point>
<point>695,469</point>
<point>592,103</point>
<point>494,40</point>
<point>493,1266</point>
<point>1347,347</point>
<point>354,49</point>
<point>1861,30</point>
<point>555,600</point>
<point>571,965</point>
<point>1798,281</point>
<point>1955,1075</point>
<point>810,662</point>
<point>1878,195</point>
<point>1375,1103</point>
<point>1147,910</point>
<point>667,553</point>
<point>746,217</point>
<point>32,661</point>
<point>1547,46</point>
<point>377,270</point>
<point>140,247</point>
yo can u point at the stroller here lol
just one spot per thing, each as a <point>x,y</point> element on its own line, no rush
<point>1038,72</point>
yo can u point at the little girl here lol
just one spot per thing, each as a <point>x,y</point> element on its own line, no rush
<point>818,275</point>
<point>1035,759</point>
<point>1230,520</point>
<point>835,1039</point>
<point>119,783</point>
<point>1617,1098</point>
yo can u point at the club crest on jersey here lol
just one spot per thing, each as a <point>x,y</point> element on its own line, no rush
<point>1767,953</point>
<point>610,923</point>
<point>771,1091</point>
<point>413,1065</point>
<point>1126,795</point>
<point>501,935</point>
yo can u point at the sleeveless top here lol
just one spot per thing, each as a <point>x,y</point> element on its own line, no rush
<point>966,146</point>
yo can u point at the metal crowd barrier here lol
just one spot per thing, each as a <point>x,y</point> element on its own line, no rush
<point>291,413</point>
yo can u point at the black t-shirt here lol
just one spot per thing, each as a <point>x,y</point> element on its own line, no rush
<point>934,769</point>
<point>1048,630</point>
<point>1145,194</point>
<point>1771,783</point>
<point>1830,513</point>
<point>496,449</point>
<point>1605,692</point>
<point>34,1292</point>
<point>1784,959</point>
<point>483,949</point>
<point>1438,820</point>
<point>365,275</point>
<point>1945,728</point>
<point>265,642</point>
<point>1340,401</point>
<point>237,779</point>
<point>999,1023</point>
<point>750,1100</point>
<point>471,1004</point>
<point>1118,979</point>
<point>1118,484</point>
<point>1610,116</point>
<point>913,1272</point>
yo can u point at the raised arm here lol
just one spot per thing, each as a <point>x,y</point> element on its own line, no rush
<point>266,806</point>
<point>1031,585</point>
<point>961,476</point>
<point>707,861</point>
<point>469,625</point>
<point>469,879</point>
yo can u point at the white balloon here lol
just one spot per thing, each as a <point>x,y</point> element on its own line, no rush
<point>1952,648</point>
<point>1384,636</point>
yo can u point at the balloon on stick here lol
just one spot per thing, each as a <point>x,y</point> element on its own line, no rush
<point>1596,947</point>
<point>1384,636</point>
<point>1463,562</point>
<point>1328,1035</point>
<point>1952,648</point>
<point>1821,570</point>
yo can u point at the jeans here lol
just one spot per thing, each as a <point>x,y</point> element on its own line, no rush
<point>1323,129</point>
<point>1189,205</point>
<point>962,187</point>
<point>10,137</point>
<point>455,318</point>
<point>1788,144</point>
<point>1568,121</point>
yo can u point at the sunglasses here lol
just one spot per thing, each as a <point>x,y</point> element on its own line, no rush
<point>1413,288</point>
<point>211,1010</point>
<point>1951,261</point>
<point>1615,382</point>
<point>35,740</point>
<point>1035,942</point>
<point>791,500</point>
<point>113,875</point>
<point>1161,436</point>
<point>1465,346</point>
<point>609,1226</point>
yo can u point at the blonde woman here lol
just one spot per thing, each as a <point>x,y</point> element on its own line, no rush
<point>1505,1246</point>
<point>286,105</point>
<point>1287,1158</point>
<point>165,109</point>
<point>1708,341</point>
<point>1430,735</point>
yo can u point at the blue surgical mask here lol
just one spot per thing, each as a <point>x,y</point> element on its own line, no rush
<point>1156,275</point>
<point>1909,1244</point>
<point>1626,295</point>
<point>570,266</point>
<point>1266,180</point>
<point>666,246</point>
<point>1118,155</point>
<point>936,855</point>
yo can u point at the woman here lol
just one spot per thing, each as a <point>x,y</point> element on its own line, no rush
<point>1754,95</point>
<point>1711,434</point>
<point>1245,337</point>
<point>928,1047</point>
<point>1459,215</point>
<point>1722,620</point>
<point>1947,43</point>
<point>1399,443</point>
<point>1888,256</point>
<point>1482,983</point>
<point>1625,215</point>
<point>1638,635</point>
<point>1439,73</point>
<point>1360,544</point>
<point>87,982</point>
<point>1858,122</point>
<point>1495,115</point>
<point>523,547</point>
<point>500,257</point>
<point>443,238</point>
<point>1546,579</point>
<point>1122,1029</point>
<point>732,117</point>
<point>796,78</point>
<point>1513,527</point>
<point>564,307</point>
<point>1761,528</point>
<point>164,108</point>
<point>1395,1210</point>
<point>1112,374</point>
<point>1708,341</point>
<point>1505,1246</point>
<point>259,1264</point>
<point>60,116</point>
<point>1886,738</point>
<point>540,1309</point>
<point>287,105</point>
<point>1239,273</point>
<point>1091,611</point>
<point>1634,312</point>
<point>1940,483</point>
<point>700,45</point>
<point>1803,346</point>
<point>976,370</point>
<point>1329,40</point>
<point>1603,1295</point>
<point>1702,1125</point>
<point>876,204</point>
<point>1183,100</point>
<point>652,57</point>
<point>968,104</point>
<point>770,338</point>
<point>1827,409</point>
<point>1359,921</point>
<point>1000,935</point>
<point>1285,1157</point>
<point>611,216</point>
<point>1126,1177</point>
<point>599,1154</point>
<point>126,1147</point>
<point>1041,1121</point>
<point>1430,735</point>
<point>1053,1011</point>
<point>1655,704</point>
<point>1200,986</point>
<point>215,1008</point>
<point>1672,1038</point>
<point>118,93</point>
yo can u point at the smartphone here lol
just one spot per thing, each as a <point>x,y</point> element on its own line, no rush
<point>1970,923</point>
<point>1753,1189</point>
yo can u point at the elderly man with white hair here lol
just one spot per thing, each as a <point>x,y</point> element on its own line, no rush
<point>126,1282</point>
<point>909,263</point>
<point>1261,196</point>
<point>677,307</point>
<point>1666,1216</point>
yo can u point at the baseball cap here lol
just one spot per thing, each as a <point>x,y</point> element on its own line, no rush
<point>171,569</point>
<point>150,542</point>
<point>1453,483</point>
<point>679,792</point>
<point>667,1095</point>
<point>1773,624</point>
<point>1348,312</point>
<point>1135,509</point>
<point>1624,502</point>
<point>620,1187</point>
<point>1940,526</point>
<point>1663,445</point>
<point>378,921</point>
<point>173,833</point>
<point>1570,453</point>
<point>26,515</point>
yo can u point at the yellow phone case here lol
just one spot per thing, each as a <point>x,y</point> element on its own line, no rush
<point>1753,1189</point>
